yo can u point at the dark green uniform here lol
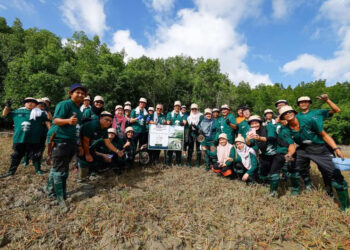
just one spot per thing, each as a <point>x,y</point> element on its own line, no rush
<point>178,120</point>
<point>210,129</point>
<point>88,115</point>
<point>129,152</point>
<point>243,128</point>
<point>225,128</point>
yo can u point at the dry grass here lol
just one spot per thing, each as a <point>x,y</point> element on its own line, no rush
<point>158,208</point>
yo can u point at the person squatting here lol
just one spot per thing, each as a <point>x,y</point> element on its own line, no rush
<point>249,148</point>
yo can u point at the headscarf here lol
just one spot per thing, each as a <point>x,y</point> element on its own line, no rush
<point>223,152</point>
<point>36,112</point>
<point>119,123</point>
<point>193,119</point>
<point>97,111</point>
<point>244,153</point>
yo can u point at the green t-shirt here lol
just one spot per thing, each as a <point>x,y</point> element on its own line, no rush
<point>225,128</point>
<point>26,130</point>
<point>161,119</point>
<point>176,118</point>
<point>309,130</point>
<point>284,139</point>
<point>139,125</point>
<point>210,129</point>
<point>314,113</point>
<point>88,114</point>
<point>52,130</point>
<point>65,110</point>
<point>100,146</point>
<point>271,143</point>
<point>93,131</point>
<point>243,128</point>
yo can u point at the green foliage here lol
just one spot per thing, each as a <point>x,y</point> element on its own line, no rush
<point>34,63</point>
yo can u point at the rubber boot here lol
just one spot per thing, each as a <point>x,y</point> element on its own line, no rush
<point>198,159</point>
<point>274,180</point>
<point>207,162</point>
<point>59,190</point>
<point>82,173</point>
<point>25,160</point>
<point>178,158</point>
<point>189,158</point>
<point>285,172</point>
<point>307,183</point>
<point>49,189</point>
<point>64,182</point>
<point>295,183</point>
<point>343,194</point>
<point>328,185</point>
<point>37,168</point>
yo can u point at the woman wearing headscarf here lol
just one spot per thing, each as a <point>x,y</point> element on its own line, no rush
<point>226,155</point>
<point>247,163</point>
<point>95,111</point>
<point>119,121</point>
<point>193,121</point>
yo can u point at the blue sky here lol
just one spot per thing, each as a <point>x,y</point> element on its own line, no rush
<point>284,41</point>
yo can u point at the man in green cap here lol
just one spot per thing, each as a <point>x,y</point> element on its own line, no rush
<point>28,122</point>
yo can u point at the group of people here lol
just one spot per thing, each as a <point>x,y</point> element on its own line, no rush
<point>250,148</point>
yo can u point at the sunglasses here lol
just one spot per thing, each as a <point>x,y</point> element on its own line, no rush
<point>99,102</point>
<point>159,109</point>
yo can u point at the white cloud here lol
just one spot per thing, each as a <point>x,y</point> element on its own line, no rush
<point>87,15</point>
<point>3,7</point>
<point>23,6</point>
<point>162,5</point>
<point>280,8</point>
<point>207,31</point>
<point>338,67</point>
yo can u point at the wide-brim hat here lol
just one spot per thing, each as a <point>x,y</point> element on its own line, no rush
<point>223,136</point>
<point>268,111</point>
<point>254,118</point>
<point>194,106</point>
<point>129,129</point>
<point>177,103</point>
<point>281,101</point>
<point>127,107</point>
<point>30,99</point>
<point>142,99</point>
<point>284,110</point>
<point>239,138</point>
<point>207,111</point>
<point>150,109</point>
<point>216,110</point>
<point>99,98</point>
<point>46,99</point>
<point>118,107</point>
<point>87,98</point>
<point>127,103</point>
<point>304,99</point>
<point>106,113</point>
<point>225,106</point>
<point>112,130</point>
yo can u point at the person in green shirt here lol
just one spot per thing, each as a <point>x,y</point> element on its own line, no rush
<point>86,104</point>
<point>128,146</point>
<point>268,115</point>
<point>96,109</point>
<point>243,126</point>
<point>227,123</point>
<point>264,139</point>
<point>177,118</point>
<point>312,139</point>
<point>208,128</point>
<point>304,103</point>
<point>193,121</point>
<point>28,122</point>
<point>45,126</point>
<point>138,119</point>
<point>186,130</point>
<point>89,133</point>
<point>216,113</point>
<point>246,165</point>
<point>157,118</point>
<point>67,120</point>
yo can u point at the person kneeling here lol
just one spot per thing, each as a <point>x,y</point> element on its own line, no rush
<point>246,165</point>
<point>225,155</point>
<point>128,145</point>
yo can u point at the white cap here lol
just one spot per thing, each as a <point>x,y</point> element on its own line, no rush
<point>223,135</point>
<point>177,103</point>
<point>127,103</point>
<point>225,106</point>
<point>118,107</point>
<point>207,111</point>
<point>150,109</point>
<point>254,118</point>
<point>112,130</point>
<point>216,110</point>
<point>98,98</point>
<point>40,100</point>
<point>268,111</point>
<point>87,98</point>
<point>281,101</point>
<point>194,106</point>
<point>30,99</point>
<point>127,107</point>
<point>128,129</point>
<point>106,113</point>
<point>142,99</point>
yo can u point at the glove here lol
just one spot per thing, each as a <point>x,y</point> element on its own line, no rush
<point>139,117</point>
<point>228,122</point>
<point>8,103</point>
<point>148,119</point>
